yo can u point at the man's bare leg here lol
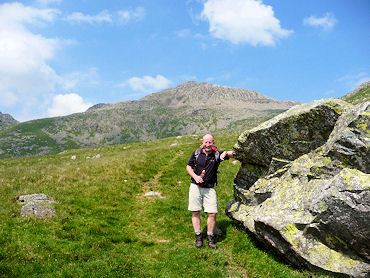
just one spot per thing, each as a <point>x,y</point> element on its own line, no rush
<point>195,219</point>
<point>211,224</point>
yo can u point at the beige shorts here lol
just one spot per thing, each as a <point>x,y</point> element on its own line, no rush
<point>199,196</point>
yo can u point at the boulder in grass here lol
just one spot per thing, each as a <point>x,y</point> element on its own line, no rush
<point>36,206</point>
<point>37,210</point>
<point>35,198</point>
<point>309,199</point>
<point>297,131</point>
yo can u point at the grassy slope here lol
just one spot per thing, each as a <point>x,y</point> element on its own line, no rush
<point>106,227</point>
<point>362,96</point>
<point>95,129</point>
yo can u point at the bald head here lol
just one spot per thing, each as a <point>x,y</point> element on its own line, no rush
<point>207,137</point>
<point>207,143</point>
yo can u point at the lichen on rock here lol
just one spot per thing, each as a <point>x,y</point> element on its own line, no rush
<point>291,134</point>
<point>304,186</point>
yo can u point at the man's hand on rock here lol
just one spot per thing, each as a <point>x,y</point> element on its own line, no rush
<point>223,155</point>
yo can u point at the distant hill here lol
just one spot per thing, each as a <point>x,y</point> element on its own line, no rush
<point>189,108</point>
<point>361,94</point>
<point>199,94</point>
<point>6,120</point>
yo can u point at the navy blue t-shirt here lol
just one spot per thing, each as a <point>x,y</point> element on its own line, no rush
<point>207,163</point>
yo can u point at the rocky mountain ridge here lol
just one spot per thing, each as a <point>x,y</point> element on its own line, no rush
<point>189,108</point>
<point>201,93</point>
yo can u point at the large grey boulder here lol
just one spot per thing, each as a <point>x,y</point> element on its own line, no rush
<point>285,137</point>
<point>309,199</point>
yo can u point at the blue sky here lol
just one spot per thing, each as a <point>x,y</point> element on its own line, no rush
<point>59,57</point>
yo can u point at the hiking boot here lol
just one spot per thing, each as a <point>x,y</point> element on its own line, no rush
<point>211,243</point>
<point>198,241</point>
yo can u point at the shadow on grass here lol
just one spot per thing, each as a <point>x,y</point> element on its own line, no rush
<point>262,246</point>
<point>223,225</point>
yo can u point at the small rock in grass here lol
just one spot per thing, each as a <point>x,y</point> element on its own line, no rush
<point>35,205</point>
<point>154,193</point>
<point>35,198</point>
<point>37,210</point>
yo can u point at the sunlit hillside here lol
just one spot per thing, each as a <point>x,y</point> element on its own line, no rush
<point>189,108</point>
<point>106,227</point>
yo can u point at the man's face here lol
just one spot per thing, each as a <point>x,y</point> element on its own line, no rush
<point>207,143</point>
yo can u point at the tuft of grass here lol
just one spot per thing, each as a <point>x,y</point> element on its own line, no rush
<point>106,227</point>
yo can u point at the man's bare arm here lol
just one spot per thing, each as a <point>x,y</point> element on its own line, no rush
<point>190,170</point>
<point>226,154</point>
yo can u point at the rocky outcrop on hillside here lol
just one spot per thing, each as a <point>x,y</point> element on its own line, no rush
<point>190,108</point>
<point>304,186</point>
<point>359,95</point>
<point>6,120</point>
<point>96,106</point>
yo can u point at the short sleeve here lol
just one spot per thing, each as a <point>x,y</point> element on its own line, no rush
<point>191,161</point>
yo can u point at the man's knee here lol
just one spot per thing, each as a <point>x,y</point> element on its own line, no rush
<point>196,213</point>
<point>212,215</point>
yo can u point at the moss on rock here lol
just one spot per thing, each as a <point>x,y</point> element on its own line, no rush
<point>314,207</point>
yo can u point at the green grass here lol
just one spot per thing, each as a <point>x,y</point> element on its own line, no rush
<point>105,226</point>
<point>362,96</point>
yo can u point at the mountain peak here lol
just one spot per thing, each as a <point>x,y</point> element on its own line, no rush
<point>196,94</point>
<point>188,84</point>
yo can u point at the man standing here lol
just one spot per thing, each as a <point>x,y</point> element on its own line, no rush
<point>202,167</point>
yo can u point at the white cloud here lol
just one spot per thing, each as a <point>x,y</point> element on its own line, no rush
<point>243,21</point>
<point>125,16</point>
<point>15,15</point>
<point>8,98</point>
<point>25,74</point>
<point>67,104</point>
<point>327,22</point>
<point>183,33</point>
<point>72,80</point>
<point>353,81</point>
<point>119,17</point>
<point>103,16</point>
<point>148,84</point>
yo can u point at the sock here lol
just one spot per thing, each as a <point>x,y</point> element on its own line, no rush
<point>198,233</point>
<point>209,234</point>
